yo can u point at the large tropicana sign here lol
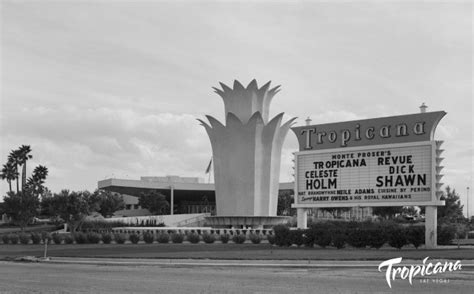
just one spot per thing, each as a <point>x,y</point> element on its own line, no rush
<point>389,161</point>
<point>373,162</point>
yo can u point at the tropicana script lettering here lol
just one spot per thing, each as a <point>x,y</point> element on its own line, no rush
<point>345,135</point>
<point>413,270</point>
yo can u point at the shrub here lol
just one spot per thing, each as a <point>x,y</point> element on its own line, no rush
<point>357,238</point>
<point>45,237</point>
<point>271,239</point>
<point>57,238</point>
<point>339,240</point>
<point>416,236</point>
<point>134,238</point>
<point>177,238</point>
<point>255,238</point>
<point>193,238</point>
<point>376,236</point>
<point>106,238</point>
<point>14,238</point>
<point>239,239</point>
<point>24,238</point>
<point>80,238</point>
<point>69,239</point>
<point>120,238</point>
<point>93,238</point>
<point>163,238</point>
<point>282,235</point>
<point>446,234</point>
<point>397,238</point>
<point>35,238</point>
<point>225,238</point>
<point>297,237</point>
<point>6,239</point>
<point>208,238</point>
<point>148,238</point>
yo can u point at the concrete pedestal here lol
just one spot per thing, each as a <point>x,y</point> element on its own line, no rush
<point>431,222</point>
<point>302,218</point>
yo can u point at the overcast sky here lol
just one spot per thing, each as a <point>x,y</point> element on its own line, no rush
<point>107,89</point>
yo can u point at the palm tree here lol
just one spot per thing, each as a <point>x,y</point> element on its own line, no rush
<point>9,173</point>
<point>36,181</point>
<point>24,155</point>
<point>14,159</point>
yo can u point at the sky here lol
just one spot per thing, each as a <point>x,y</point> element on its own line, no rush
<point>112,89</point>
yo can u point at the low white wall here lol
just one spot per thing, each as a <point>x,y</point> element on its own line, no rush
<point>168,220</point>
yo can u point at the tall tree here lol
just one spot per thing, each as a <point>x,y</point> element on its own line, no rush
<point>21,207</point>
<point>452,210</point>
<point>14,158</point>
<point>24,155</point>
<point>155,202</point>
<point>9,173</point>
<point>285,199</point>
<point>73,207</point>
<point>36,182</point>
<point>108,202</point>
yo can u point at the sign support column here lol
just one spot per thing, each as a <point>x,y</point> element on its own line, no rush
<point>302,218</point>
<point>431,222</point>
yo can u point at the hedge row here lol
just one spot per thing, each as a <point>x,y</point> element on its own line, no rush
<point>358,235</point>
<point>121,238</point>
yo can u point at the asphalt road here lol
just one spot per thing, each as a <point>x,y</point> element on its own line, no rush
<point>87,278</point>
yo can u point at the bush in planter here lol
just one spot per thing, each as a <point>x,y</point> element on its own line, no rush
<point>106,238</point>
<point>177,238</point>
<point>120,238</point>
<point>163,238</point>
<point>339,240</point>
<point>397,238</point>
<point>239,239</point>
<point>14,238</point>
<point>271,239</point>
<point>416,235</point>
<point>35,238</point>
<point>193,238</point>
<point>80,237</point>
<point>24,238</point>
<point>5,239</point>
<point>93,238</point>
<point>282,235</point>
<point>446,234</point>
<point>69,239</point>
<point>225,238</point>
<point>148,238</point>
<point>208,238</point>
<point>255,238</point>
<point>57,238</point>
<point>134,238</point>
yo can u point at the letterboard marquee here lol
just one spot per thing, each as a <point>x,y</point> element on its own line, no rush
<point>390,161</point>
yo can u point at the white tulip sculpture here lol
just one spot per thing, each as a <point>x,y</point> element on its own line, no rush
<point>247,151</point>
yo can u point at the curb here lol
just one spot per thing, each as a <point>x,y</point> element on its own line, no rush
<point>224,263</point>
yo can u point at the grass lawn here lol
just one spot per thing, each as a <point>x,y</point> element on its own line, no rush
<point>230,251</point>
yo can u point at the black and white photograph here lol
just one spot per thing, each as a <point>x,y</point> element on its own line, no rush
<point>236,146</point>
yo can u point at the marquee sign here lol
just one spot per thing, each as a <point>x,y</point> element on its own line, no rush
<point>390,161</point>
<point>417,127</point>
